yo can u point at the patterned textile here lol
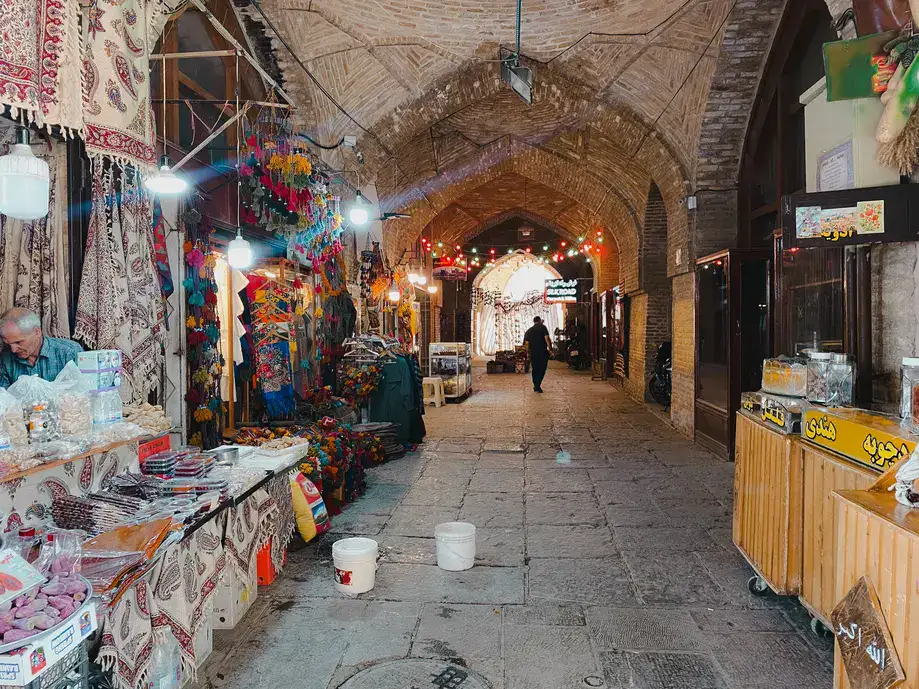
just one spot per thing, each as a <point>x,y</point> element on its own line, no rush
<point>249,526</point>
<point>40,61</point>
<point>34,270</point>
<point>272,316</point>
<point>116,89</point>
<point>120,304</point>
<point>279,489</point>
<point>171,599</point>
<point>27,500</point>
<point>160,253</point>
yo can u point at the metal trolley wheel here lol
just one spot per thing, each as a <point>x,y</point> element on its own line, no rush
<point>820,629</point>
<point>758,586</point>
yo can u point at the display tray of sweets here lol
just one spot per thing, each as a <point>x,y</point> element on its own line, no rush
<point>65,597</point>
<point>785,377</point>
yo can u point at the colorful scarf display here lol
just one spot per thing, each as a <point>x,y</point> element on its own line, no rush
<point>34,273</point>
<point>40,62</point>
<point>117,115</point>
<point>120,305</point>
<point>272,316</point>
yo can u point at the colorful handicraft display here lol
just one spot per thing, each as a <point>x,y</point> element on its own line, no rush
<point>336,317</point>
<point>272,315</point>
<point>281,190</point>
<point>205,364</point>
<point>359,382</point>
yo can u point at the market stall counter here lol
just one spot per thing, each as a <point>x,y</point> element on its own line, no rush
<point>768,484</point>
<point>879,540</point>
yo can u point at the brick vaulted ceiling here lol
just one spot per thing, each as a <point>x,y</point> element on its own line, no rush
<point>621,87</point>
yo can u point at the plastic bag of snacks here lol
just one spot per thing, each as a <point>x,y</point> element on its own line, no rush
<point>73,391</point>
<point>906,487</point>
<point>12,424</point>
<point>40,407</point>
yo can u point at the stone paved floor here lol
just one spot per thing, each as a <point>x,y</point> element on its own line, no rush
<point>615,570</point>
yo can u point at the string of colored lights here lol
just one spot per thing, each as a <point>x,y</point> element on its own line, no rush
<point>475,257</point>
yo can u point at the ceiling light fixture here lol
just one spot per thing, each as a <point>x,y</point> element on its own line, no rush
<point>25,181</point>
<point>422,279</point>
<point>358,214</point>
<point>432,289</point>
<point>394,294</point>
<point>166,183</point>
<point>239,252</point>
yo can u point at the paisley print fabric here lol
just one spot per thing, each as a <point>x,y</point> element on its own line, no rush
<point>116,89</point>
<point>120,305</point>
<point>27,500</point>
<point>40,61</point>
<point>171,599</point>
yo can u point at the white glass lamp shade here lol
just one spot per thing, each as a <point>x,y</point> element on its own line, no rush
<point>422,279</point>
<point>432,289</point>
<point>25,184</point>
<point>394,295</point>
<point>166,182</point>
<point>239,253</point>
<point>358,215</point>
<point>413,278</point>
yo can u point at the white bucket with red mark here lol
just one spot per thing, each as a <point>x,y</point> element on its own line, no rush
<point>355,562</point>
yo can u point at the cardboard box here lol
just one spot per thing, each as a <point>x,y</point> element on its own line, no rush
<point>30,662</point>
<point>234,597</point>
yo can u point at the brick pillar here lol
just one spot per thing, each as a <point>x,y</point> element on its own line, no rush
<point>682,406</point>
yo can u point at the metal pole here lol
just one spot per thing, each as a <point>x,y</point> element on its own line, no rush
<point>193,152</point>
<point>221,29</point>
<point>196,53</point>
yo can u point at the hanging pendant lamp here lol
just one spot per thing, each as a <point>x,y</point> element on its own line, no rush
<point>239,252</point>
<point>166,183</point>
<point>25,181</point>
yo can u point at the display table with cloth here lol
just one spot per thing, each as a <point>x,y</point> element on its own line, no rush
<point>25,497</point>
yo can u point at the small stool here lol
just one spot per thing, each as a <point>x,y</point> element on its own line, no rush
<point>433,391</point>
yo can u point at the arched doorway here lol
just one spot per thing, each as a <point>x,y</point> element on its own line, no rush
<point>506,297</point>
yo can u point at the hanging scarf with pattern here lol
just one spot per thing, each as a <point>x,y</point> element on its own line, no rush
<point>272,316</point>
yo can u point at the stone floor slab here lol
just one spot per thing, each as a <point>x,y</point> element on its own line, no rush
<point>459,631</point>
<point>597,582</point>
<point>545,614</point>
<point>645,629</point>
<point>495,481</point>
<point>568,541</point>
<point>561,509</point>
<point>660,671</point>
<point>533,660</point>
<point>423,583</point>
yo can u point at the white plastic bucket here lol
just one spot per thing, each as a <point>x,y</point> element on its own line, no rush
<point>455,546</point>
<point>355,562</point>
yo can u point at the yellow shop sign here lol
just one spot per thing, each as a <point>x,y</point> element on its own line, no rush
<point>870,439</point>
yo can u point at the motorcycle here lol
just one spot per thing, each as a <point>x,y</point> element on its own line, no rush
<point>660,382</point>
<point>576,357</point>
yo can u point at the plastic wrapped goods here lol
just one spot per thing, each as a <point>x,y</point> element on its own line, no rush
<point>40,406</point>
<point>12,423</point>
<point>76,407</point>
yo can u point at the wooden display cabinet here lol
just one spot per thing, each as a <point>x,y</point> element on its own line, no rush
<point>879,539</point>
<point>824,473</point>
<point>768,485</point>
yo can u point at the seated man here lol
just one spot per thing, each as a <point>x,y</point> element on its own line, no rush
<point>28,352</point>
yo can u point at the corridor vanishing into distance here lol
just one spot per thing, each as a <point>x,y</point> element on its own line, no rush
<point>615,570</point>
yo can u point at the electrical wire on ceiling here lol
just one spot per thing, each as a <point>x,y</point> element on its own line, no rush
<point>322,89</point>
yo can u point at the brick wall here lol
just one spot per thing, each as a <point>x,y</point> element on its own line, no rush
<point>654,278</point>
<point>635,383</point>
<point>684,354</point>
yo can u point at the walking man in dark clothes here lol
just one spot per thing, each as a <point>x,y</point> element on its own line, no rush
<point>540,346</point>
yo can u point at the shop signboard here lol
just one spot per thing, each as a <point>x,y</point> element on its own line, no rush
<point>864,641</point>
<point>870,439</point>
<point>563,291</point>
<point>849,217</point>
<point>445,268</point>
